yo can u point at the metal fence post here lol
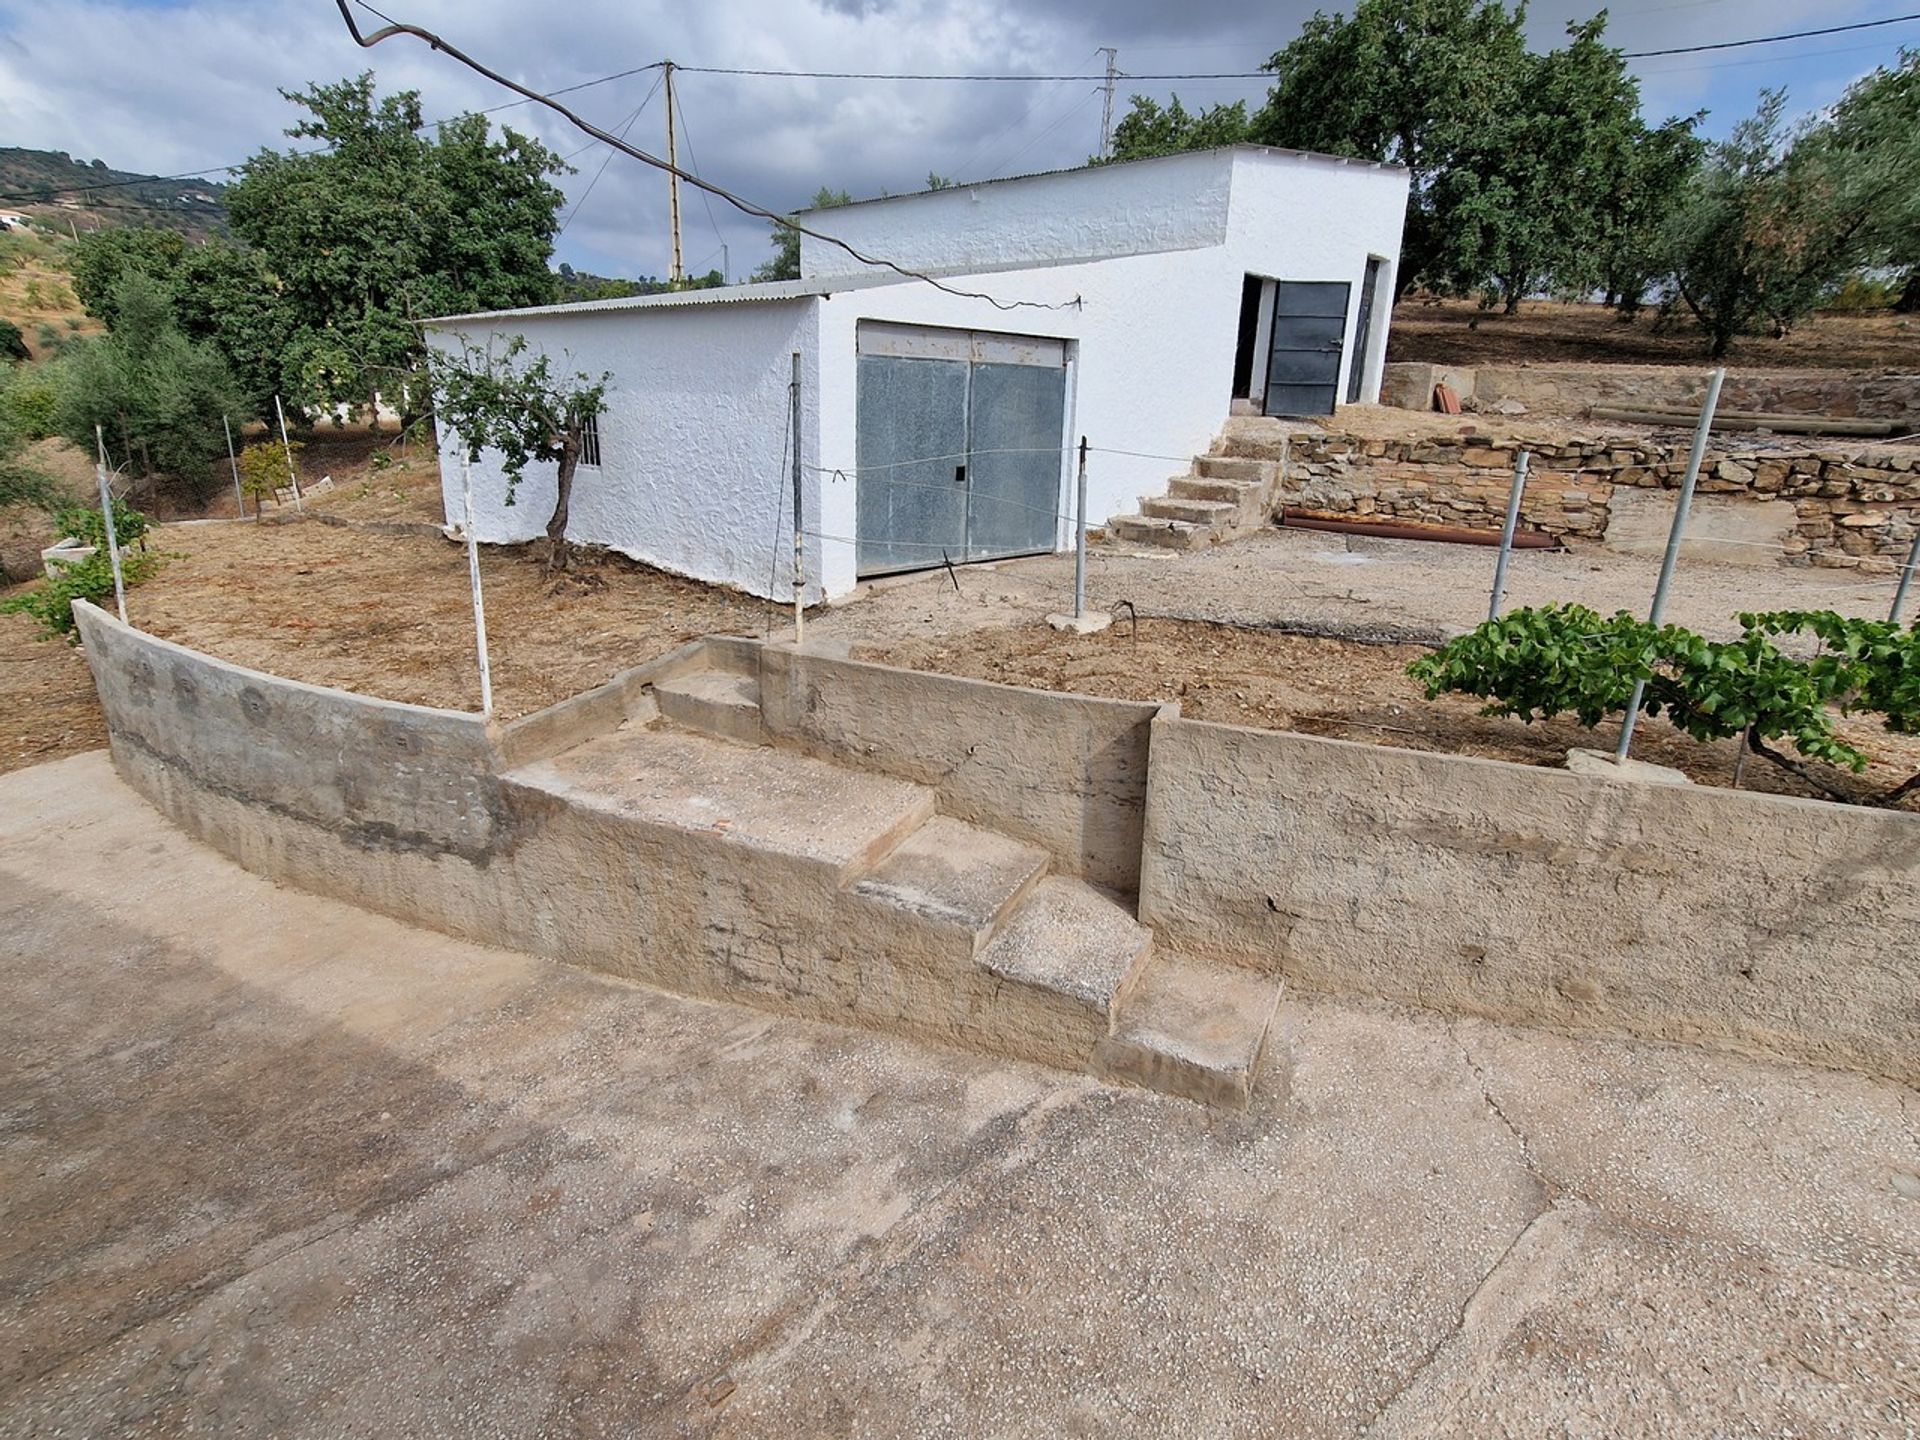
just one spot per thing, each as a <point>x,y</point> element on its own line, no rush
<point>106,513</point>
<point>1906,580</point>
<point>1080,536</point>
<point>799,552</point>
<point>1671,558</point>
<point>239,496</point>
<point>1520,464</point>
<point>479,604</point>
<point>287,446</point>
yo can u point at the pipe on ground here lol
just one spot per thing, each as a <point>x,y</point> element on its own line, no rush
<point>1294,519</point>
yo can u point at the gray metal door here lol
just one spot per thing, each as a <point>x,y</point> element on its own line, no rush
<point>960,438</point>
<point>1303,365</point>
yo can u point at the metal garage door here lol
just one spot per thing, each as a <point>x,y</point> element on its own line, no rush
<point>961,443</point>
<point>1303,365</point>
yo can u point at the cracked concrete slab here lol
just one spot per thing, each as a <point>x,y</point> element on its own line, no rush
<point>270,1165</point>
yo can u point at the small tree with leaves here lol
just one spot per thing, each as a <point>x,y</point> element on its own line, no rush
<point>513,403</point>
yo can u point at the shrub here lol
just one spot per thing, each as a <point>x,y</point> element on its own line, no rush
<point>263,468</point>
<point>13,345</point>
<point>51,601</point>
<point>1568,659</point>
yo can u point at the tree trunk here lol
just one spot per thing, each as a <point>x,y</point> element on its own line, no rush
<point>559,551</point>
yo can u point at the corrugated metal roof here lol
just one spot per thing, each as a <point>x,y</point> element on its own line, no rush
<point>1275,150</point>
<point>764,292</point>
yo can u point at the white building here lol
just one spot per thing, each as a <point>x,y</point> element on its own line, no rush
<point>1136,304</point>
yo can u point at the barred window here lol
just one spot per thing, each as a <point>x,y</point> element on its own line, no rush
<point>590,441</point>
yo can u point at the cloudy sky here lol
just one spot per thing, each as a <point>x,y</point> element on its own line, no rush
<point>176,85</point>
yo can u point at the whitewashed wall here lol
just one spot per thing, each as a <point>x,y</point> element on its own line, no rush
<point>697,411</point>
<point>1155,333</point>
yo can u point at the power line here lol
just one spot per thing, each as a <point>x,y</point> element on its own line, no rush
<point>606,160</point>
<point>437,42</point>
<point>1770,39</point>
<point>897,75</point>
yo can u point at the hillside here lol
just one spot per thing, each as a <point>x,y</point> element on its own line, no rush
<point>52,186</point>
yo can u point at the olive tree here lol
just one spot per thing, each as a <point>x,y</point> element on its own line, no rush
<point>516,404</point>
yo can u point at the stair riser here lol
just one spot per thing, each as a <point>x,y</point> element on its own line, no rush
<point>1160,537</point>
<point>727,720</point>
<point>1227,492</point>
<point>1251,471</point>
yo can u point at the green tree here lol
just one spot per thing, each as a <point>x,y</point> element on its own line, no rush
<point>1530,199</point>
<point>13,345</point>
<point>1875,136</point>
<point>1765,228</point>
<point>1419,83</point>
<point>523,410</point>
<point>157,393</point>
<point>1633,216</point>
<point>101,259</point>
<point>785,264</point>
<point>385,225</point>
<point>1147,129</point>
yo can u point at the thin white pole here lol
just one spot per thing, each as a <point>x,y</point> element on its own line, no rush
<point>479,604</point>
<point>1520,464</point>
<point>1674,536</point>
<point>239,496</point>
<point>106,513</point>
<point>287,446</point>
<point>799,555</point>
<point>1080,536</point>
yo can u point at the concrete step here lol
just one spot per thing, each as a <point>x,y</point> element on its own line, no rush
<point>1231,492</point>
<point>1213,514</point>
<point>714,702</point>
<point>1077,944</point>
<point>1191,1030</point>
<point>955,878</point>
<point>811,815</point>
<point>1164,534</point>
<point>1251,471</point>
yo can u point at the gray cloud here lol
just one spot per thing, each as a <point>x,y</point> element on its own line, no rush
<point>176,87</point>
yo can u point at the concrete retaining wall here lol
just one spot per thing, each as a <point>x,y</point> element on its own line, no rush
<point>375,774</point>
<point>1065,772</point>
<point>1531,895</point>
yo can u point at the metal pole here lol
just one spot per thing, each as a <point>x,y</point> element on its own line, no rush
<point>799,554</point>
<point>287,445</point>
<point>106,513</point>
<point>1520,464</point>
<point>1080,536</point>
<point>479,604</point>
<point>1106,105</point>
<point>1674,536</point>
<point>1906,580</point>
<point>239,496</point>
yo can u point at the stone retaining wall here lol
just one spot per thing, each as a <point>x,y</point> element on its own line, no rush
<point>1852,508</point>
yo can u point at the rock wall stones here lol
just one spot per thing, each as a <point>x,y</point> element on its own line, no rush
<point>1855,508</point>
<point>1576,389</point>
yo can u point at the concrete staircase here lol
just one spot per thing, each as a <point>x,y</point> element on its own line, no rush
<point>1223,496</point>
<point>777,878</point>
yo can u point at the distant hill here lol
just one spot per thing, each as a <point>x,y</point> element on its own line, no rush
<point>51,185</point>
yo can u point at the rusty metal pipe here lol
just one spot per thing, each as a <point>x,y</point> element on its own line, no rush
<point>1292,518</point>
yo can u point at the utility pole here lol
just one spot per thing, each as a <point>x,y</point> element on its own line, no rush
<point>677,276</point>
<point>1106,104</point>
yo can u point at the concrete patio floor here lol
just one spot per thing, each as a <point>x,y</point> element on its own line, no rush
<point>271,1165</point>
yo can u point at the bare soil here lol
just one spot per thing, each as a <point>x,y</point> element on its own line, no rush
<point>1458,332</point>
<point>1334,688</point>
<point>391,615</point>
<point>47,704</point>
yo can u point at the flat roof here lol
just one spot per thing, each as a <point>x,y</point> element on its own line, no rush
<point>1276,151</point>
<point>763,292</point>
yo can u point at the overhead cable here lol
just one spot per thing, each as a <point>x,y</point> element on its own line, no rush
<point>395,27</point>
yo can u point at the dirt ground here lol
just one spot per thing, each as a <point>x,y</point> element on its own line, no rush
<point>1458,332</point>
<point>1336,688</point>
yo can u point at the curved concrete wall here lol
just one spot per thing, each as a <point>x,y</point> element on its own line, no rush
<point>1533,895</point>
